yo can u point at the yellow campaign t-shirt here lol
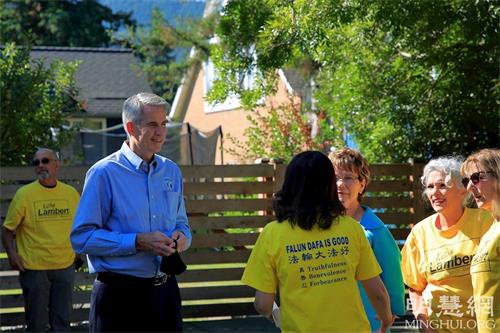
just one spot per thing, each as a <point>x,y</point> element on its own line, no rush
<point>437,263</point>
<point>485,272</point>
<point>42,218</point>
<point>316,272</point>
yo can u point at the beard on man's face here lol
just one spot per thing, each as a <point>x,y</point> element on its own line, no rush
<point>42,175</point>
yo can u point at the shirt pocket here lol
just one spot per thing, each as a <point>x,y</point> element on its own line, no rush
<point>170,202</point>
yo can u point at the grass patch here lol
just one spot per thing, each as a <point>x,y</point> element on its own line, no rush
<point>210,284</point>
<point>11,310</point>
<point>216,266</point>
<point>219,301</point>
<point>6,292</point>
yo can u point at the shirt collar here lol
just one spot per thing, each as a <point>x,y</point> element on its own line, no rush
<point>135,160</point>
<point>369,220</point>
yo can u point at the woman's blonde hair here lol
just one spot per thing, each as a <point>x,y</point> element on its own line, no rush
<point>488,160</point>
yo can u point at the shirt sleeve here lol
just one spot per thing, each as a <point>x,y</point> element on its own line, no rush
<point>389,258</point>
<point>89,234</point>
<point>410,263</point>
<point>181,220</point>
<point>260,271</point>
<point>15,213</point>
<point>368,266</point>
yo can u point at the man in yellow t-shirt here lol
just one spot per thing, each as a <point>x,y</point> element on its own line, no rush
<point>436,263</point>
<point>39,219</point>
<point>316,272</point>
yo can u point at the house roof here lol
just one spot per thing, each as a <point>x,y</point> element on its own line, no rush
<point>105,78</point>
<point>293,79</point>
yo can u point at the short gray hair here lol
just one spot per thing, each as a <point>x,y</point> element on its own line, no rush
<point>132,107</point>
<point>447,165</point>
<point>54,153</point>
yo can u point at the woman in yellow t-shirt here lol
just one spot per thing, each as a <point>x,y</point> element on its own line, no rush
<point>482,179</point>
<point>314,254</point>
<point>437,254</point>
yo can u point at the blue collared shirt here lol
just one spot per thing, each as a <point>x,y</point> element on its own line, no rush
<point>123,196</point>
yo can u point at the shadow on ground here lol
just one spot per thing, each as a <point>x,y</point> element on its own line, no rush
<point>254,324</point>
<point>247,325</point>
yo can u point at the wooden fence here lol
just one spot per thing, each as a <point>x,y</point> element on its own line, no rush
<point>227,205</point>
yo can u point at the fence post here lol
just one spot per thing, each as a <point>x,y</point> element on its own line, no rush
<point>266,161</point>
<point>419,210</point>
<point>279,174</point>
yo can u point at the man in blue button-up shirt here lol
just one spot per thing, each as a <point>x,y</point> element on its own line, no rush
<point>132,213</point>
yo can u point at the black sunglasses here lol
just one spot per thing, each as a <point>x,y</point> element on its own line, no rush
<point>475,178</point>
<point>45,160</point>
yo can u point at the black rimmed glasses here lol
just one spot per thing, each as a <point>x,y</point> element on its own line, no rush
<point>475,178</point>
<point>44,160</point>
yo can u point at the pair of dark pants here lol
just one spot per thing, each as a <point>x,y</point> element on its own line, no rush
<point>48,298</point>
<point>135,307</point>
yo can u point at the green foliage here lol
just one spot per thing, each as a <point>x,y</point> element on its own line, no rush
<point>155,47</point>
<point>279,133</point>
<point>59,23</point>
<point>408,79</point>
<point>237,60</point>
<point>33,99</point>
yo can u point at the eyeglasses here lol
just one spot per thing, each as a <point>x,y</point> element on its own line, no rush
<point>348,180</point>
<point>44,160</point>
<point>475,178</point>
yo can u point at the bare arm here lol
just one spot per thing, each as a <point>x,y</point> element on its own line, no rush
<point>420,310</point>
<point>8,243</point>
<point>264,304</point>
<point>379,299</point>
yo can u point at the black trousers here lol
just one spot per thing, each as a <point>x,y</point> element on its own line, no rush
<point>135,306</point>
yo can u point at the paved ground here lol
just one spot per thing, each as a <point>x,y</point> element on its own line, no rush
<point>253,324</point>
<point>247,325</point>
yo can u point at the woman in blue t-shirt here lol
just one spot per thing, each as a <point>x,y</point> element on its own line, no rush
<point>353,176</point>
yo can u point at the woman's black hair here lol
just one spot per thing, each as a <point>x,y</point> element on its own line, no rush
<point>309,192</point>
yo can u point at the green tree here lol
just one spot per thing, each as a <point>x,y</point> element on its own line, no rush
<point>34,102</point>
<point>60,23</point>
<point>408,79</point>
<point>279,133</point>
<point>156,47</point>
